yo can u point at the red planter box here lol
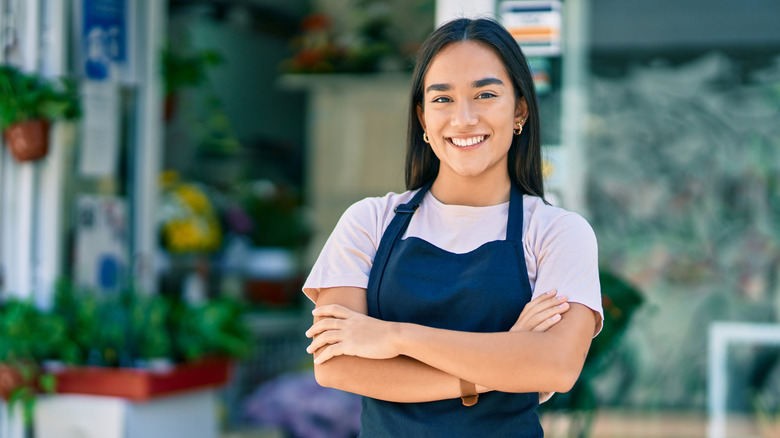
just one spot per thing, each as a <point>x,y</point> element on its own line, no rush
<point>141,385</point>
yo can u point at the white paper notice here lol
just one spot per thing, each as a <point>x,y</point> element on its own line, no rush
<point>100,146</point>
<point>101,242</point>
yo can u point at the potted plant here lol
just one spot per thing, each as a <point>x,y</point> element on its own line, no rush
<point>139,346</point>
<point>28,337</point>
<point>181,70</point>
<point>126,344</point>
<point>28,104</point>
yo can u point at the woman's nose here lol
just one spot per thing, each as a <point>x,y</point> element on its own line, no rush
<point>465,114</point>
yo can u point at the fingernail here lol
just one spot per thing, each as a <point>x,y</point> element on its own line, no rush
<point>562,305</point>
<point>552,292</point>
<point>556,317</point>
<point>314,312</point>
<point>563,298</point>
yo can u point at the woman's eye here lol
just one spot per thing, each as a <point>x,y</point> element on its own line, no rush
<point>486,95</point>
<point>441,100</point>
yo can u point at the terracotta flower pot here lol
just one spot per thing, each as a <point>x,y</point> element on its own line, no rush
<point>10,379</point>
<point>28,140</point>
<point>141,385</point>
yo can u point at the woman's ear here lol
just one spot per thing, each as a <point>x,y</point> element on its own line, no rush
<point>522,108</point>
<point>420,115</point>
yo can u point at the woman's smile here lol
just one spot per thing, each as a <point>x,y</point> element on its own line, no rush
<point>468,142</point>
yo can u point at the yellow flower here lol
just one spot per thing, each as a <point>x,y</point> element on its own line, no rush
<point>189,220</point>
<point>547,168</point>
<point>194,198</point>
<point>168,178</point>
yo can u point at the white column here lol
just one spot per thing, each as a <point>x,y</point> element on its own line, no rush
<point>55,38</point>
<point>11,423</point>
<point>148,142</point>
<point>716,385</point>
<point>574,106</point>
<point>48,239</point>
<point>20,178</point>
<point>19,280</point>
<point>447,10</point>
<point>31,38</point>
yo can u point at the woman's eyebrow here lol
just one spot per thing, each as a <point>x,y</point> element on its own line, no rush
<point>486,81</point>
<point>476,84</point>
<point>438,87</point>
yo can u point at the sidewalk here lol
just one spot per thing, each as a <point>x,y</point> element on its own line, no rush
<point>652,424</point>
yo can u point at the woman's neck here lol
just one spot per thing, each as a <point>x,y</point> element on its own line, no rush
<point>478,191</point>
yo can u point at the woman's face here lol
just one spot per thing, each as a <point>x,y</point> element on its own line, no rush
<point>469,110</point>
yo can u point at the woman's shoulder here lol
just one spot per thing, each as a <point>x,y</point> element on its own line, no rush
<point>377,209</point>
<point>543,218</point>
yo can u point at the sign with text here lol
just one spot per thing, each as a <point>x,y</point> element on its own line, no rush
<point>536,25</point>
<point>105,39</point>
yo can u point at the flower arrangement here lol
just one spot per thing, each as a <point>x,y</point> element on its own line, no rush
<point>366,40</point>
<point>189,220</point>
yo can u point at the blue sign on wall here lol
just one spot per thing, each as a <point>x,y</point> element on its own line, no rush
<point>104,37</point>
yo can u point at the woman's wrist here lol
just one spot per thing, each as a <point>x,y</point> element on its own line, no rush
<point>398,332</point>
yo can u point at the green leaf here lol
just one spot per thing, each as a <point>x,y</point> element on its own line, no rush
<point>48,383</point>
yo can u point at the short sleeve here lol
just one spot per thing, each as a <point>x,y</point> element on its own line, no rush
<point>567,260</point>
<point>348,254</point>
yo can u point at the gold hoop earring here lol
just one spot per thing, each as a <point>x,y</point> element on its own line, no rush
<point>520,124</point>
<point>425,138</point>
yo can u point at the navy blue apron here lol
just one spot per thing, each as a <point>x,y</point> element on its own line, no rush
<point>480,291</point>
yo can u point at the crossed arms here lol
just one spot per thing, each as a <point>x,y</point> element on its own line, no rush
<point>543,352</point>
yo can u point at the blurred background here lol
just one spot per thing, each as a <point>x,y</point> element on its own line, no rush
<point>197,154</point>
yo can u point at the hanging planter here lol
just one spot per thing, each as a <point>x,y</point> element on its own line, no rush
<point>28,103</point>
<point>28,140</point>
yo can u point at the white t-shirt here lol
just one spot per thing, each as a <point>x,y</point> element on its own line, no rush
<point>560,247</point>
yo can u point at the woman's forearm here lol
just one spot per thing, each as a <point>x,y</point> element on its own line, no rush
<point>512,361</point>
<point>400,379</point>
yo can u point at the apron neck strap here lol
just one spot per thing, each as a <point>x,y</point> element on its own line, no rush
<point>412,205</point>
<point>514,225</point>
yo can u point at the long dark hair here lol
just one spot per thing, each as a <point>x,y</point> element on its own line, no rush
<point>525,157</point>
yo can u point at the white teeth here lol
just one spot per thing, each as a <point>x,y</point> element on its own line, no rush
<point>467,141</point>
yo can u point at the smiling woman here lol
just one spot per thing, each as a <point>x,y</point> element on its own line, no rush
<point>451,306</point>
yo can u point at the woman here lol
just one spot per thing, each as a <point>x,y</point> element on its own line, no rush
<point>424,298</point>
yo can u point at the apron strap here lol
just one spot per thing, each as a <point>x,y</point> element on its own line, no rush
<point>394,231</point>
<point>514,225</point>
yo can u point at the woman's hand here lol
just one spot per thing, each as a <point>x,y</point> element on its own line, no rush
<point>539,315</point>
<point>341,331</point>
